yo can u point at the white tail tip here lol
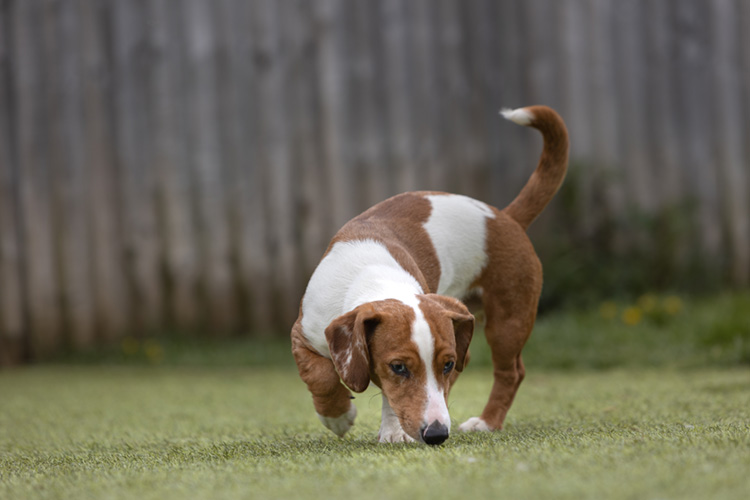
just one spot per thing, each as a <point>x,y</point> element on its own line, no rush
<point>520,116</point>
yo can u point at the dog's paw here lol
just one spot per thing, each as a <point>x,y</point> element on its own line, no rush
<point>394,435</point>
<point>340,425</point>
<point>474,424</point>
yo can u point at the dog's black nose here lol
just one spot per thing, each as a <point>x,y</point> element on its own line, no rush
<point>435,433</point>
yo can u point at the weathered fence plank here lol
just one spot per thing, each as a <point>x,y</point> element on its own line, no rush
<point>630,72</point>
<point>175,214</point>
<point>744,90</point>
<point>133,64</point>
<point>207,163</point>
<point>426,102</point>
<point>249,193</point>
<point>452,87</point>
<point>604,112</point>
<point>366,104</point>
<point>515,161</point>
<point>12,324</point>
<point>41,274</point>
<point>399,118</point>
<point>232,67</point>
<point>575,99</point>
<point>483,102</point>
<point>333,96</point>
<point>661,128</point>
<point>693,116</point>
<point>575,106</point>
<point>70,182</point>
<point>276,158</point>
<point>731,133</point>
<point>539,37</point>
<point>313,217</point>
<point>112,303</point>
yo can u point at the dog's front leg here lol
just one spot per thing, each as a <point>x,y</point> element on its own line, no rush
<point>390,427</point>
<point>332,400</point>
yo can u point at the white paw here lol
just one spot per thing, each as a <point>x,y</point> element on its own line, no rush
<point>340,425</point>
<point>391,435</point>
<point>474,424</point>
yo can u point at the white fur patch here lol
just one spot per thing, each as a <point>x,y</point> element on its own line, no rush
<point>435,407</point>
<point>344,365</point>
<point>457,227</point>
<point>520,116</point>
<point>474,424</point>
<point>351,274</point>
<point>340,425</point>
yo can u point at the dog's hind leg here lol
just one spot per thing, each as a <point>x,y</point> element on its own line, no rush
<point>508,373</point>
<point>510,302</point>
<point>331,398</point>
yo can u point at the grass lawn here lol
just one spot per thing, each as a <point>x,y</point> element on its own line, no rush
<point>664,417</point>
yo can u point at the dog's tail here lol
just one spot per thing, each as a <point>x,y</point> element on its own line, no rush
<point>550,172</point>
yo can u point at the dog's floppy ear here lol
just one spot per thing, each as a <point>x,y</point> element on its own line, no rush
<point>463,326</point>
<point>347,338</point>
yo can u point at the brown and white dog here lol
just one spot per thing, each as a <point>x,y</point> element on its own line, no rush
<point>384,303</point>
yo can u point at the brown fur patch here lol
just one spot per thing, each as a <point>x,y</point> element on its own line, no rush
<point>452,326</point>
<point>330,397</point>
<point>349,337</point>
<point>398,223</point>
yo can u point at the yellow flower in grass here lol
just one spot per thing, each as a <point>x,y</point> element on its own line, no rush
<point>632,315</point>
<point>608,310</point>
<point>154,351</point>
<point>648,302</point>
<point>672,305</point>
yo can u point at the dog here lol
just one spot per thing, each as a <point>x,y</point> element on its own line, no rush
<point>385,302</point>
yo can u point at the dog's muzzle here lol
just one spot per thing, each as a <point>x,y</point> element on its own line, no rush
<point>435,433</point>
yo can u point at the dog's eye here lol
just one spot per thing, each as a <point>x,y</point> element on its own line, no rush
<point>448,367</point>
<point>400,369</point>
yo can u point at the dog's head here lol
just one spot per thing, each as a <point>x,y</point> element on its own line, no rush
<point>412,352</point>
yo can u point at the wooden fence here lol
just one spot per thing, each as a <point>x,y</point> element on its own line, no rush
<point>182,164</point>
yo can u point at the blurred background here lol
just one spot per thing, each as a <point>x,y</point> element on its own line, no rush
<point>180,165</point>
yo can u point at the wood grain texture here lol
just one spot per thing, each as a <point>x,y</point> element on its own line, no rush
<point>182,166</point>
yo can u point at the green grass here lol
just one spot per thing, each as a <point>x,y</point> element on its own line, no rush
<point>141,432</point>
<point>611,408</point>
<point>652,331</point>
